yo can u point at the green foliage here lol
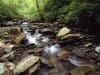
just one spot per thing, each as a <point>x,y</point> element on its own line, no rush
<point>8,9</point>
<point>72,12</point>
<point>77,12</point>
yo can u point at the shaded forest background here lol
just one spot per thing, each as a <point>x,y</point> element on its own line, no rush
<point>84,13</point>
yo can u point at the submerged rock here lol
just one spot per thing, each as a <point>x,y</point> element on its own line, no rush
<point>81,70</point>
<point>9,23</point>
<point>8,48</point>
<point>63,32</point>
<point>78,53</point>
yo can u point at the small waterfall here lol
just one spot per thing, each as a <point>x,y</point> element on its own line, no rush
<point>36,39</point>
<point>36,32</point>
<point>29,37</point>
<point>52,49</point>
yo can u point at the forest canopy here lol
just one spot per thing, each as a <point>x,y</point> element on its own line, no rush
<point>77,12</point>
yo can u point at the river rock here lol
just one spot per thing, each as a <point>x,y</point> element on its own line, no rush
<point>9,23</point>
<point>33,68</point>
<point>81,70</point>
<point>9,55</point>
<point>63,54</point>
<point>8,48</point>
<point>78,53</point>
<point>47,30</point>
<point>98,59</point>
<point>63,32</point>
<point>6,68</point>
<point>26,63</point>
<point>93,55</point>
<point>71,36</point>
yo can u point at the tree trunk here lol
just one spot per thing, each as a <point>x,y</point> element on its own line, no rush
<point>37,5</point>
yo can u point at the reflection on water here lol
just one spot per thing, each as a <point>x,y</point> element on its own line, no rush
<point>74,61</point>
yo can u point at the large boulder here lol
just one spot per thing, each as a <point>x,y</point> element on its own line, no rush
<point>63,32</point>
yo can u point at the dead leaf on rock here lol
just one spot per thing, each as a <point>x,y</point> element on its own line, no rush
<point>53,60</point>
<point>63,54</point>
<point>38,50</point>
<point>16,35</point>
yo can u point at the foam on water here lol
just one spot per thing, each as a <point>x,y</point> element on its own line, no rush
<point>37,38</point>
<point>53,49</point>
<point>78,63</point>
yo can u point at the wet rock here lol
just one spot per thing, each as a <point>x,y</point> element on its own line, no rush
<point>97,73</point>
<point>2,70</point>
<point>20,22</point>
<point>9,23</point>
<point>68,65</point>
<point>2,44</point>
<point>78,53</point>
<point>17,35</point>
<point>97,49</point>
<point>93,55</point>
<point>6,68</point>
<point>98,58</point>
<point>63,54</point>
<point>90,73</point>
<point>6,56</point>
<point>8,48</point>
<point>58,70</point>
<point>20,37</point>
<point>71,36</point>
<point>46,62</point>
<point>47,31</point>
<point>81,70</point>
<point>38,50</point>
<point>55,23</point>
<point>63,32</point>
<point>33,68</point>
<point>54,72</point>
<point>26,63</point>
<point>2,52</point>
<point>88,44</point>
<point>53,60</point>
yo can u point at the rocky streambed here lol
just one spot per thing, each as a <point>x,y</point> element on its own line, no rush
<point>48,49</point>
